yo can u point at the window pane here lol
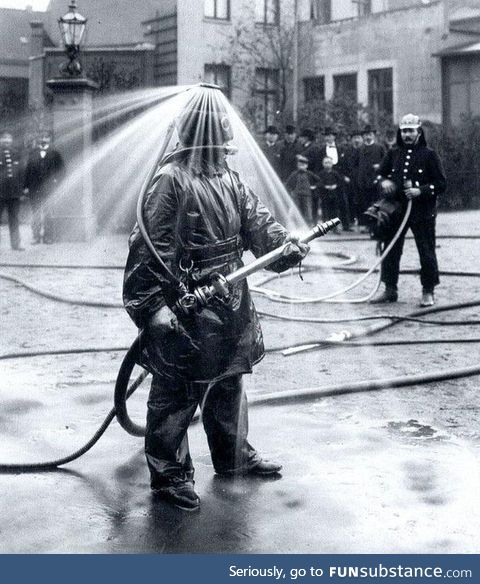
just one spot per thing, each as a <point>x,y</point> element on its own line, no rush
<point>210,8</point>
<point>314,88</point>
<point>475,98</point>
<point>218,75</point>
<point>222,9</point>
<point>271,16</point>
<point>260,10</point>
<point>380,90</point>
<point>458,102</point>
<point>345,86</point>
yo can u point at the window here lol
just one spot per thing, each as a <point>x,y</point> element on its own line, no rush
<point>266,97</point>
<point>380,91</point>
<point>219,75</point>
<point>364,7</point>
<point>314,88</point>
<point>267,11</point>
<point>321,11</point>
<point>345,86</point>
<point>219,9</point>
<point>461,88</point>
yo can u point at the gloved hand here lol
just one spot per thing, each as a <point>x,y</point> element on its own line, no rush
<point>388,187</point>
<point>176,347</point>
<point>162,321</point>
<point>298,249</point>
<point>294,254</point>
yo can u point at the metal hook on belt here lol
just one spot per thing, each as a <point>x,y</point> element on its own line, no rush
<point>187,270</point>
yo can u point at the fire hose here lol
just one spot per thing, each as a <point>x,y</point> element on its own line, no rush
<point>129,361</point>
<point>220,286</point>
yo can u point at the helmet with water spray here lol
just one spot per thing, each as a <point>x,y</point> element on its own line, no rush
<point>204,120</point>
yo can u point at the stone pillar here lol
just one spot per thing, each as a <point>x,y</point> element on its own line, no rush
<point>72,216</point>
<point>35,68</point>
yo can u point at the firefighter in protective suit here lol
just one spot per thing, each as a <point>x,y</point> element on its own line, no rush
<point>200,217</point>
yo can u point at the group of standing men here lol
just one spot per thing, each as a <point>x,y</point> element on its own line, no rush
<point>35,179</point>
<point>339,180</point>
<point>347,180</point>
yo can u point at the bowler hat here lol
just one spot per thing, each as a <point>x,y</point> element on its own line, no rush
<point>289,129</point>
<point>308,133</point>
<point>368,128</point>
<point>329,130</point>
<point>272,130</point>
<point>355,132</point>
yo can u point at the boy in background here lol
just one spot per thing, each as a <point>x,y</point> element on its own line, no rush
<point>301,185</point>
<point>329,190</point>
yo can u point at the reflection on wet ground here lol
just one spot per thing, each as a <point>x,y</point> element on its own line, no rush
<point>350,484</point>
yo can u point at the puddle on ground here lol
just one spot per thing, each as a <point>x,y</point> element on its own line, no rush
<point>415,429</point>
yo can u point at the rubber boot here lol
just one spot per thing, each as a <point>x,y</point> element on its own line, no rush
<point>390,294</point>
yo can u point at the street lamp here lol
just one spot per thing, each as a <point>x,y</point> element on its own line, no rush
<point>72,28</point>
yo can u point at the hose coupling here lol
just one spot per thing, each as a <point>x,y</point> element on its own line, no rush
<point>217,289</point>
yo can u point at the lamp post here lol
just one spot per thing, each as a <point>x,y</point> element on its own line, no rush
<point>72,28</point>
<point>72,212</point>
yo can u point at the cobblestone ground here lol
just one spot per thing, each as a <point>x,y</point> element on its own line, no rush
<point>395,470</point>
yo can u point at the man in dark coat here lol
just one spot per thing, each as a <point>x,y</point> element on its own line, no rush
<point>337,156</point>
<point>350,170</point>
<point>42,173</point>
<point>272,148</point>
<point>200,217</point>
<point>10,187</point>
<point>311,150</point>
<point>412,171</point>
<point>289,149</point>
<point>369,157</point>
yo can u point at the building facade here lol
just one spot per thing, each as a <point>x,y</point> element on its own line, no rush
<point>395,56</point>
<point>391,55</point>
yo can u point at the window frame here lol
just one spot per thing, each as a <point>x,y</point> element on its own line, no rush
<point>215,11</point>
<point>266,92</point>
<point>216,69</point>
<point>321,11</point>
<point>264,21</point>
<point>310,93</point>
<point>350,92</point>
<point>377,95</point>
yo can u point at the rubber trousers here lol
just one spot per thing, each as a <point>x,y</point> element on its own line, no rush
<point>171,407</point>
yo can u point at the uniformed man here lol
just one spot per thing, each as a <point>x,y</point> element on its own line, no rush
<point>43,171</point>
<point>412,171</point>
<point>10,188</point>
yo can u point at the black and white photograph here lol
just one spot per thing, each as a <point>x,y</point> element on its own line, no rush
<point>240,278</point>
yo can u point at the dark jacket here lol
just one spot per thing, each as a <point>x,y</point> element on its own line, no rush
<point>42,173</point>
<point>350,162</point>
<point>10,172</point>
<point>273,154</point>
<point>299,183</point>
<point>329,178</point>
<point>368,157</point>
<point>422,166</point>
<point>288,158</point>
<point>208,217</point>
<point>314,154</point>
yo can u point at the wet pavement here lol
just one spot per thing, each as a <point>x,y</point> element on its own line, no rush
<point>350,483</point>
<point>394,471</point>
